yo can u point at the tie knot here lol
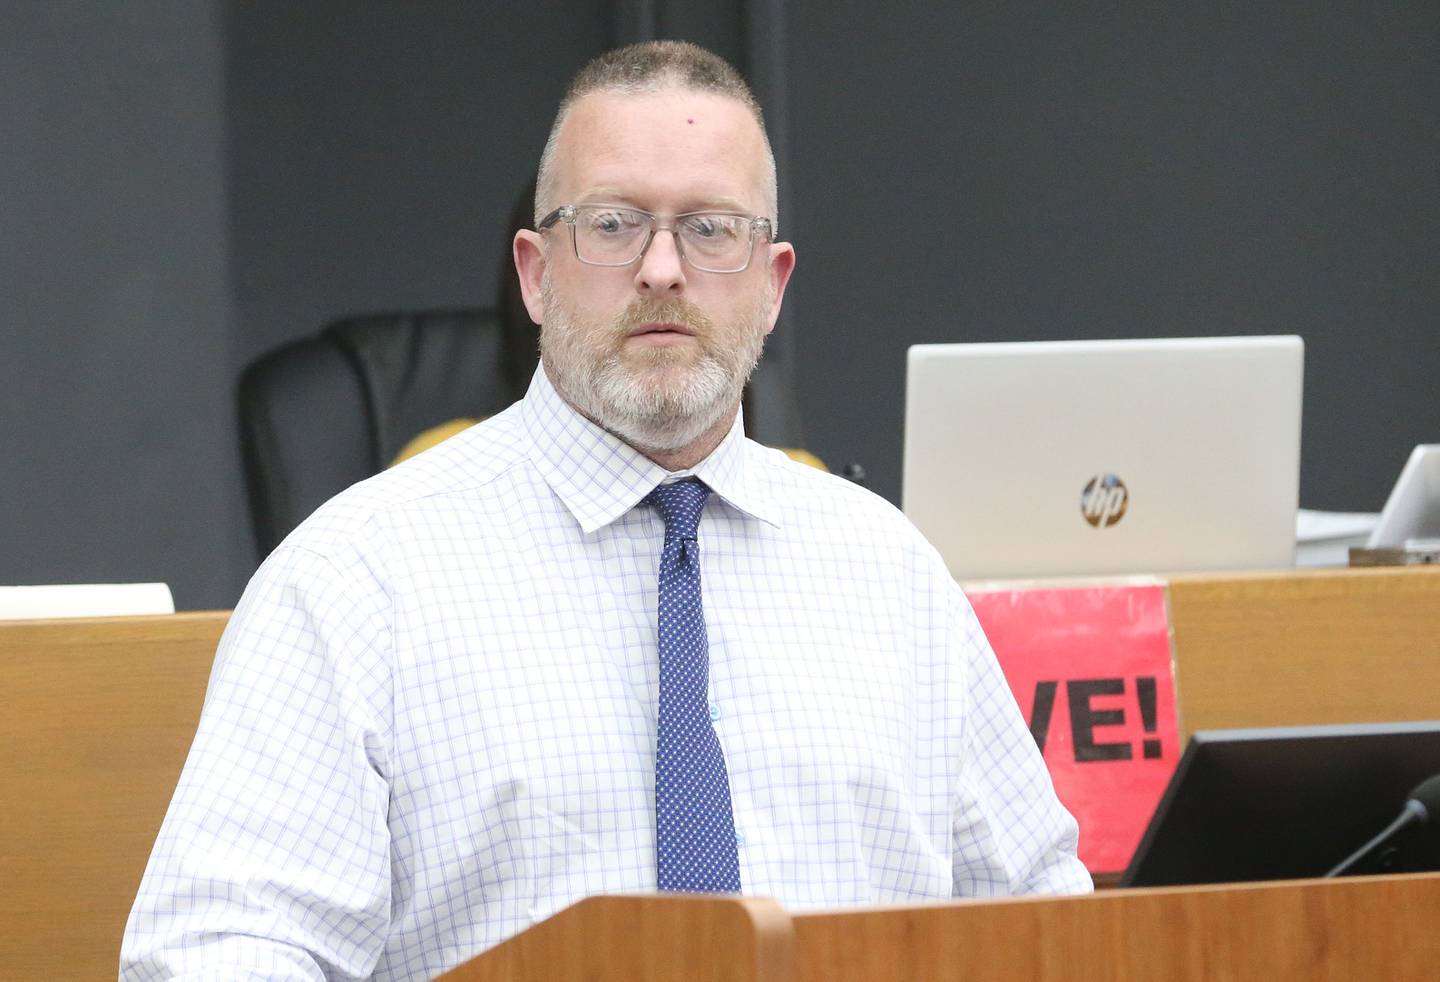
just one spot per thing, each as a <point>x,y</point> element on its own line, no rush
<point>680,504</point>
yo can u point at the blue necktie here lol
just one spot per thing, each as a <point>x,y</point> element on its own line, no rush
<point>695,848</point>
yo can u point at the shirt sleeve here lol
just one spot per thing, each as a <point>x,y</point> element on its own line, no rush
<point>1012,834</point>
<point>274,857</point>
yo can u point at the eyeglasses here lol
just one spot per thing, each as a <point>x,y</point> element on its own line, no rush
<point>609,235</point>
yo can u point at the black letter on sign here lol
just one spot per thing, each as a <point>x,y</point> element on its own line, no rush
<point>1083,719</point>
<point>1040,712</point>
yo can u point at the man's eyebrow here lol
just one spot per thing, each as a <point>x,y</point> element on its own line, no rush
<point>604,194</point>
<point>601,195</point>
<point>726,203</point>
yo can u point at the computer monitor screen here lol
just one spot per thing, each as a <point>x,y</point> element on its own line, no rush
<point>1289,803</point>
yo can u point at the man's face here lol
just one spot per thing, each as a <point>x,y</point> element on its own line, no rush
<point>657,351</point>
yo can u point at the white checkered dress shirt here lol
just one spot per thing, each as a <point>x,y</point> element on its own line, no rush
<point>431,721</point>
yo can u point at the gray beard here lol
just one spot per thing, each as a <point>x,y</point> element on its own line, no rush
<point>654,401</point>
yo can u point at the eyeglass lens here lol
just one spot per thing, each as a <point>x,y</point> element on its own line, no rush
<point>617,236</point>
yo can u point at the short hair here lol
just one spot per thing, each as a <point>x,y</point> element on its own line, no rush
<point>644,68</point>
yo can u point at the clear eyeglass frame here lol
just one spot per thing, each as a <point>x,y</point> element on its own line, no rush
<point>761,228</point>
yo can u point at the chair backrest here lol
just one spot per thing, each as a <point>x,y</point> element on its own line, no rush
<point>320,413</point>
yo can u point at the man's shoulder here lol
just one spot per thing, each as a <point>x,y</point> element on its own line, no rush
<point>835,521</point>
<point>470,464</point>
<point>805,490</point>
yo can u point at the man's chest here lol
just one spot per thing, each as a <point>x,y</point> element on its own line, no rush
<point>526,695</point>
<point>564,671</point>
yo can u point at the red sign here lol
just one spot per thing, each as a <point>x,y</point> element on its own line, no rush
<point>1094,675</point>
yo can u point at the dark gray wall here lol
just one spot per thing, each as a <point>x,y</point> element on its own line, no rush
<point>1026,171</point>
<point>189,183</point>
<point>115,320</point>
<point>376,149</point>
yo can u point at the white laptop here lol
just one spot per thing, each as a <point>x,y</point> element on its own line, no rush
<point>1075,458</point>
<point>1412,512</point>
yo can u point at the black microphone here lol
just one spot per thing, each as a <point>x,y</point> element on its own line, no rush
<point>1422,807</point>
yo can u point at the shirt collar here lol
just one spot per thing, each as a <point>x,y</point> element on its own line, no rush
<point>599,477</point>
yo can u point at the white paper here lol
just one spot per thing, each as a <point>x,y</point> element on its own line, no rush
<point>85,600</point>
<point>1317,526</point>
<point>1324,538</point>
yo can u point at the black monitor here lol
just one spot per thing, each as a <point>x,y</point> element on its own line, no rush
<point>1289,803</point>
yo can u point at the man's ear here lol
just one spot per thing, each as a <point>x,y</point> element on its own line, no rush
<point>782,264</point>
<point>529,251</point>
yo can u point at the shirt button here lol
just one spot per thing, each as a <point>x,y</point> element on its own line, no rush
<point>739,838</point>
<point>714,711</point>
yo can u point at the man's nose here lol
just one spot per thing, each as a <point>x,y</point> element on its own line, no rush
<point>661,272</point>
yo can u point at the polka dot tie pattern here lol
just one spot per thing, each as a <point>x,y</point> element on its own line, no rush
<point>695,846</point>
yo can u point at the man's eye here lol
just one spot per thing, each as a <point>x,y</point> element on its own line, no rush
<point>706,226</point>
<point>611,223</point>
<point>713,228</point>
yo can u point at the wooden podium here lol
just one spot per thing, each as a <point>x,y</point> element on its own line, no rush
<point>1372,928</point>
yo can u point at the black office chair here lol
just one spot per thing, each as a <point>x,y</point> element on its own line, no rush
<point>319,414</point>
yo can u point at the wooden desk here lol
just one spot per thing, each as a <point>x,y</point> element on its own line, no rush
<point>99,715</point>
<point>1295,648</point>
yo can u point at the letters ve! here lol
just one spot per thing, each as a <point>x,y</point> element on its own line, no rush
<point>1085,717</point>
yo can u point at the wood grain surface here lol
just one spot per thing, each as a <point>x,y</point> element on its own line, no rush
<point>1374,928</point>
<point>645,939</point>
<point>1381,928</point>
<point>1309,647</point>
<point>100,714</point>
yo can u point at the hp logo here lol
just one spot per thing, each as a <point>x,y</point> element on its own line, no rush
<point>1103,501</point>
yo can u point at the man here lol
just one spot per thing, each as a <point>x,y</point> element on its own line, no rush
<point>459,698</point>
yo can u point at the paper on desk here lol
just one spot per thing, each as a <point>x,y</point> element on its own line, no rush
<point>1314,526</point>
<point>85,600</point>
<point>1324,538</point>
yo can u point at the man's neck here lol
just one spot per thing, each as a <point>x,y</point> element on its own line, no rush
<point>678,459</point>
<point>697,450</point>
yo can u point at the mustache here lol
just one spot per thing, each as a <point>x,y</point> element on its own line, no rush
<point>675,310</point>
